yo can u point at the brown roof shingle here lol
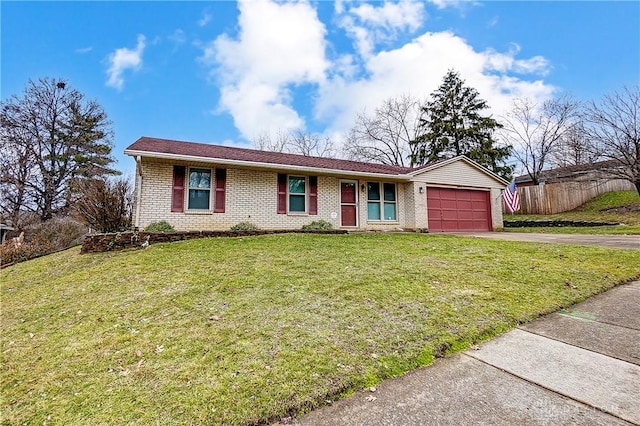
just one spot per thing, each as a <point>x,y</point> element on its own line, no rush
<point>191,149</point>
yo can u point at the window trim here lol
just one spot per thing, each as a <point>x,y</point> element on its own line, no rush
<point>381,202</point>
<point>306,196</point>
<point>188,189</point>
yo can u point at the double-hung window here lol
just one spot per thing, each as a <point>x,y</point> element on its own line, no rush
<point>381,201</point>
<point>199,189</point>
<point>297,194</point>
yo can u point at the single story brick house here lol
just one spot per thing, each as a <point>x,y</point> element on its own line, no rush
<point>196,186</point>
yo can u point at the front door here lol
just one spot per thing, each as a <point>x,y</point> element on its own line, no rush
<point>348,202</point>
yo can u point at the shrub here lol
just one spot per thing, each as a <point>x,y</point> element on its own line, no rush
<point>162,226</point>
<point>318,225</point>
<point>57,234</point>
<point>10,253</point>
<point>43,238</point>
<point>105,204</point>
<point>245,226</point>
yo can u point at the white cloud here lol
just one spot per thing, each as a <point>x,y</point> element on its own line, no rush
<point>279,45</point>
<point>441,4</point>
<point>391,15</point>
<point>83,50</point>
<point>178,37</point>
<point>123,59</point>
<point>370,25</point>
<point>505,62</point>
<point>206,18</point>
<point>418,68</point>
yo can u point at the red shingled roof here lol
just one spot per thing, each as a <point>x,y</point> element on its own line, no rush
<point>191,149</point>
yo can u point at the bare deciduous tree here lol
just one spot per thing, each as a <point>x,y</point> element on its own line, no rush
<point>575,148</point>
<point>385,136</point>
<point>614,127</point>
<point>16,166</point>
<point>535,131</point>
<point>311,144</point>
<point>296,142</point>
<point>265,142</point>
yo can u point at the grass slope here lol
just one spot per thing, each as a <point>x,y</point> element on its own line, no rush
<point>600,209</point>
<point>244,330</point>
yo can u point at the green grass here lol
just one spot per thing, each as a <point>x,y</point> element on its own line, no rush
<point>592,210</point>
<point>246,330</point>
<point>610,200</point>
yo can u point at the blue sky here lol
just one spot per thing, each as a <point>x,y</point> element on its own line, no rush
<point>226,72</point>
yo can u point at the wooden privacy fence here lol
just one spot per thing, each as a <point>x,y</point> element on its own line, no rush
<point>560,197</point>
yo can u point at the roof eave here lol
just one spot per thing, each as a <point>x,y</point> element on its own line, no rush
<point>255,164</point>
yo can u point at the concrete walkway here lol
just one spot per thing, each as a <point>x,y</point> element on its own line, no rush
<point>578,366</point>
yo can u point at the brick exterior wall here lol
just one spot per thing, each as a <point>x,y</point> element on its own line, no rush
<point>416,206</point>
<point>496,209</point>
<point>251,195</point>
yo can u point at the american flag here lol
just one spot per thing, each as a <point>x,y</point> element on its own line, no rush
<point>511,197</point>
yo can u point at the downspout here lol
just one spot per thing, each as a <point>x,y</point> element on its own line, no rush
<point>138,190</point>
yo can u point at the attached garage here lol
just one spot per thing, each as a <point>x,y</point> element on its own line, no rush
<point>457,195</point>
<point>450,210</point>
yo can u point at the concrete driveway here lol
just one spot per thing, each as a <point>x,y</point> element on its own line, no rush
<point>611,241</point>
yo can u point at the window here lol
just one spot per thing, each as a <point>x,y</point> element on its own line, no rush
<point>297,194</point>
<point>381,205</point>
<point>199,189</point>
<point>293,193</point>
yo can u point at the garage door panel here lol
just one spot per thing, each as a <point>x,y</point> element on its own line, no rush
<point>478,196</point>
<point>436,204</point>
<point>451,214</point>
<point>458,210</point>
<point>465,205</point>
<point>465,215</point>
<point>448,204</point>
<point>480,215</point>
<point>448,224</point>
<point>461,195</point>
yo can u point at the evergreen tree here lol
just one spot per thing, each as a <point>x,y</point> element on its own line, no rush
<point>452,124</point>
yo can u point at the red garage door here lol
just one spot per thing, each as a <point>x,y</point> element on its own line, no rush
<point>458,210</point>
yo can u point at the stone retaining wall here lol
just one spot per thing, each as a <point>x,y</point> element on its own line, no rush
<point>122,240</point>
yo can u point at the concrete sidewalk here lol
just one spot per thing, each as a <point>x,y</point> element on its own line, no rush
<point>577,366</point>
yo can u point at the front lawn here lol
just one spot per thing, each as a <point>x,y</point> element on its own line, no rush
<point>247,330</point>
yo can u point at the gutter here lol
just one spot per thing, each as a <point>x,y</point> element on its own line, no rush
<point>272,166</point>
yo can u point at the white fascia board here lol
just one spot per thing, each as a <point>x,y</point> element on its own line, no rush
<point>273,166</point>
